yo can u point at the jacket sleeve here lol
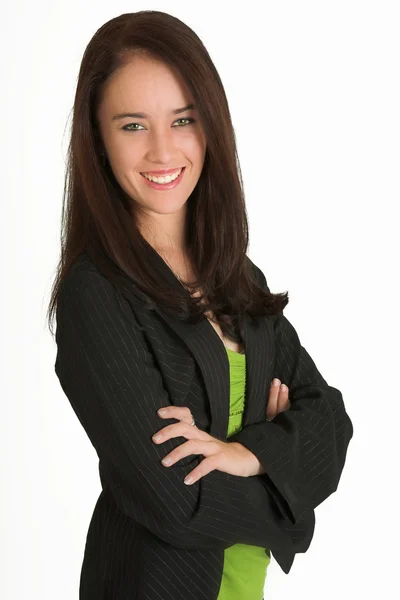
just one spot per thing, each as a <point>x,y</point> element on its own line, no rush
<point>115,388</point>
<point>303,449</point>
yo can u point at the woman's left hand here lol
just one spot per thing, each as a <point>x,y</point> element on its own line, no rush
<point>228,457</point>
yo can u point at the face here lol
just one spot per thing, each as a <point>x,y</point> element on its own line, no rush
<point>157,140</point>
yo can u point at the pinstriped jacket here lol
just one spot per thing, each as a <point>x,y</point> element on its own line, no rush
<point>151,537</point>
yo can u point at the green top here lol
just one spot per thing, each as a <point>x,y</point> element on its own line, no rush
<point>245,567</point>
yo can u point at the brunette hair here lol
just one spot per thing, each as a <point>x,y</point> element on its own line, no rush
<point>98,217</point>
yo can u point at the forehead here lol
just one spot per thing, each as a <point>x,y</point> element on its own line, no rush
<point>145,84</point>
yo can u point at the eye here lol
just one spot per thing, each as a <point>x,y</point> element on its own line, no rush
<point>189,119</point>
<point>125,128</point>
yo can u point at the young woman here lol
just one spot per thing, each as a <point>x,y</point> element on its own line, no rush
<point>158,306</point>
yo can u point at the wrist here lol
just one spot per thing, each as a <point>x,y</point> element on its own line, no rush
<point>254,465</point>
<point>259,469</point>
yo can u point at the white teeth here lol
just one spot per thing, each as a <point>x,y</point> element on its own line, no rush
<point>166,179</point>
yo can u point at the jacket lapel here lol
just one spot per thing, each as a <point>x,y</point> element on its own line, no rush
<point>210,354</point>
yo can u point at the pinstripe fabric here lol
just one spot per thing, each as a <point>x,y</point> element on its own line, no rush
<point>151,536</point>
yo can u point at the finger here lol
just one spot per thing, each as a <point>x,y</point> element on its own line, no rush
<point>205,467</point>
<point>272,404</point>
<point>183,413</point>
<point>283,399</point>
<point>179,429</point>
<point>189,448</point>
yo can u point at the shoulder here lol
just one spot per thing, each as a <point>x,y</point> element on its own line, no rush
<point>81,264</point>
<point>88,291</point>
<point>85,284</point>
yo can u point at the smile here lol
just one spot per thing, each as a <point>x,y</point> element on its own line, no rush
<point>165,182</point>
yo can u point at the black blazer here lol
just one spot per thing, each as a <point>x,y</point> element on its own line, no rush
<point>151,536</point>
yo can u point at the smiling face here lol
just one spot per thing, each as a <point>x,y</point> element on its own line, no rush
<point>153,137</point>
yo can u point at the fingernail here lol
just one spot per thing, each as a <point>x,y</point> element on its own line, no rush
<point>161,411</point>
<point>283,387</point>
<point>275,382</point>
<point>188,481</point>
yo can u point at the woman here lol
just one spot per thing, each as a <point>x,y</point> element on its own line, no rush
<point>158,305</point>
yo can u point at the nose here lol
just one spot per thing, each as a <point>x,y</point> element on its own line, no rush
<point>161,148</point>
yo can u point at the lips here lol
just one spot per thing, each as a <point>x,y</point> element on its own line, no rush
<point>161,172</point>
<point>165,186</point>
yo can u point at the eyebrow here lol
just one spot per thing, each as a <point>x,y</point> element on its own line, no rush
<point>138,115</point>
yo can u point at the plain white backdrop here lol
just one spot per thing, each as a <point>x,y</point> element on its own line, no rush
<point>314,93</point>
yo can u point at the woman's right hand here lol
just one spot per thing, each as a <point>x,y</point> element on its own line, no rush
<point>278,399</point>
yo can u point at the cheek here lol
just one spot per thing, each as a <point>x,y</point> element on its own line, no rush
<point>195,148</point>
<point>201,145</point>
<point>125,157</point>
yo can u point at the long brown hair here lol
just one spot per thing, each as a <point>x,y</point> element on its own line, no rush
<point>97,214</point>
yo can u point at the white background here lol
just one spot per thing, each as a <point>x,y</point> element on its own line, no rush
<point>314,93</point>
